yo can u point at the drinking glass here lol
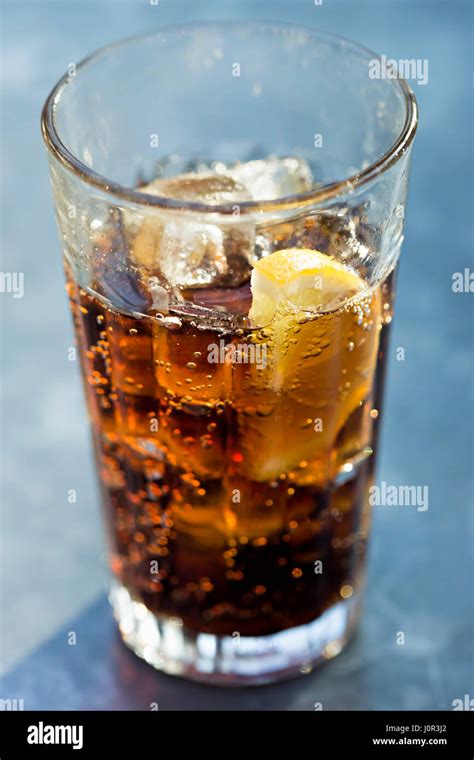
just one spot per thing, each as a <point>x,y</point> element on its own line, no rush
<point>230,201</point>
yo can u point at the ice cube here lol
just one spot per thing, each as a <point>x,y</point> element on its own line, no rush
<point>210,188</point>
<point>191,253</point>
<point>271,178</point>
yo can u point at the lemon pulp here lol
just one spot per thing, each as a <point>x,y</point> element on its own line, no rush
<point>321,336</point>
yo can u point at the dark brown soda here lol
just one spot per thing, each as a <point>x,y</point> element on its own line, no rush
<point>195,532</point>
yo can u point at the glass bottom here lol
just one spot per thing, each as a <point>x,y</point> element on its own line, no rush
<point>166,644</point>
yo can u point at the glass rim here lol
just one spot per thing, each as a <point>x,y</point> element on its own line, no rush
<point>328,191</point>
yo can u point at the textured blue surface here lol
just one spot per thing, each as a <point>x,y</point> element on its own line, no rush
<point>420,577</point>
<point>99,673</point>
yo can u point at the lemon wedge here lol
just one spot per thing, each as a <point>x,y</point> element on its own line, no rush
<point>309,280</point>
<point>320,327</point>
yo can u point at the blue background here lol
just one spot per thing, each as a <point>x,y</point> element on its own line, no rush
<point>420,575</point>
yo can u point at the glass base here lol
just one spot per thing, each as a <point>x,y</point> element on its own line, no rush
<point>166,644</point>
